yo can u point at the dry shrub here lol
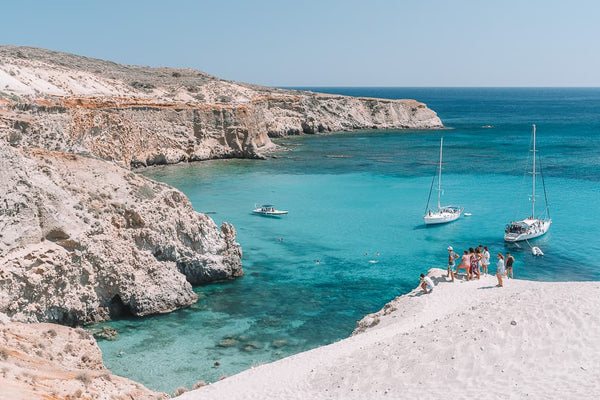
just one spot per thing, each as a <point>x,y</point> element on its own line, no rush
<point>85,378</point>
<point>198,385</point>
<point>179,391</point>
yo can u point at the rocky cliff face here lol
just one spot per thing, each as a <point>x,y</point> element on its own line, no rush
<point>83,240</point>
<point>140,116</point>
<point>46,361</point>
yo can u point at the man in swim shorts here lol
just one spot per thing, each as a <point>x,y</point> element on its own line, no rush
<point>509,265</point>
<point>452,256</point>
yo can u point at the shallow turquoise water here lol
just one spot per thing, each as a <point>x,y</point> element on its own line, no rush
<point>361,216</point>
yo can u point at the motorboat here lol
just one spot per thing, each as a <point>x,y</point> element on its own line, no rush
<point>268,209</point>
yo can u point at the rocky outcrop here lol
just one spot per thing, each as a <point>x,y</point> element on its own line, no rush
<point>47,361</point>
<point>83,240</point>
<point>141,116</point>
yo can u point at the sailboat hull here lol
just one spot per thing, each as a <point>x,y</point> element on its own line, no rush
<point>530,229</point>
<point>443,216</point>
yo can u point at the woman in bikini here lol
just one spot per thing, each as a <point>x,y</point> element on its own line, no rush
<point>475,260</point>
<point>465,262</point>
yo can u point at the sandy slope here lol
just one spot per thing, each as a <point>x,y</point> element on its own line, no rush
<point>464,340</point>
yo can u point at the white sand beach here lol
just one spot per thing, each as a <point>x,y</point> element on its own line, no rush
<point>464,340</point>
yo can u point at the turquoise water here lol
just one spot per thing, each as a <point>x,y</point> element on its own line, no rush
<point>360,216</point>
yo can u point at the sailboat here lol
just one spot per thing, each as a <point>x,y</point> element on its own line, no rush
<point>530,227</point>
<point>444,214</point>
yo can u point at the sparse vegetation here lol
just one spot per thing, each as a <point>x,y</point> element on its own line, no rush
<point>146,192</point>
<point>198,385</point>
<point>143,85</point>
<point>84,377</point>
<point>3,355</point>
<point>106,376</point>
<point>179,391</point>
<point>82,333</point>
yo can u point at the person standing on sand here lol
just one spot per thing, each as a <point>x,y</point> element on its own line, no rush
<point>501,269</point>
<point>426,283</point>
<point>475,260</point>
<point>465,262</point>
<point>485,261</point>
<point>452,256</point>
<point>509,265</point>
<point>470,273</point>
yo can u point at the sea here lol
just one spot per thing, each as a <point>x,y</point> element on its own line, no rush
<point>354,238</point>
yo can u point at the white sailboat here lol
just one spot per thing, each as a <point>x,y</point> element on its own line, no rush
<point>530,227</point>
<point>440,215</point>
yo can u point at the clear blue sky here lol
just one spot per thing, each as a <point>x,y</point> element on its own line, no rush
<point>327,42</point>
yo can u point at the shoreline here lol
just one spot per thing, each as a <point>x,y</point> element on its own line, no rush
<point>465,339</point>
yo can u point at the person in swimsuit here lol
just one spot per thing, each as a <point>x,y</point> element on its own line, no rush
<point>465,262</point>
<point>452,256</point>
<point>509,265</point>
<point>485,261</point>
<point>475,259</point>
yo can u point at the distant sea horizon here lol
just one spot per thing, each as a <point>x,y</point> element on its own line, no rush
<point>354,237</point>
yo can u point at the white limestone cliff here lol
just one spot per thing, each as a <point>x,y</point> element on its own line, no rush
<point>83,240</point>
<point>140,116</point>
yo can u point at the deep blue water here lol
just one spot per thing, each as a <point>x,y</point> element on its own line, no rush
<point>356,202</point>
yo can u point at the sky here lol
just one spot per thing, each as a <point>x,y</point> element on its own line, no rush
<point>424,43</point>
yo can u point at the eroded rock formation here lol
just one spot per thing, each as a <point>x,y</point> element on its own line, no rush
<point>142,116</point>
<point>83,240</point>
<point>47,361</point>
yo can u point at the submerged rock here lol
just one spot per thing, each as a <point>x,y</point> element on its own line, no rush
<point>228,342</point>
<point>84,240</point>
<point>279,343</point>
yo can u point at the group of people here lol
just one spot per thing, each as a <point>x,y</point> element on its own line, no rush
<point>475,262</point>
<point>505,267</point>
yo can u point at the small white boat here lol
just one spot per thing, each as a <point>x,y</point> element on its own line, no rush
<point>530,227</point>
<point>536,251</point>
<point>268,209</point>
<point>444,214</point>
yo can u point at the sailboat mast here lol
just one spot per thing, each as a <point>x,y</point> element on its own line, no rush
<point>440,174</point>
<point>533,180</point>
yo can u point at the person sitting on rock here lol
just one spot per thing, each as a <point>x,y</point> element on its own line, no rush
<point>426,283</point>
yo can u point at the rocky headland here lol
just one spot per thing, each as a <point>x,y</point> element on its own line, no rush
<point>84,239</point>
<point>140,116</point>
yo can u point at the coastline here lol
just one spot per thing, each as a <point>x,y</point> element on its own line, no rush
<point>463,340</point>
